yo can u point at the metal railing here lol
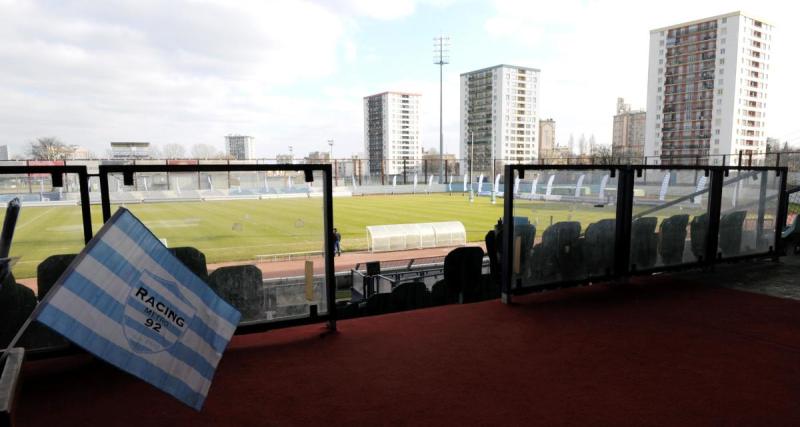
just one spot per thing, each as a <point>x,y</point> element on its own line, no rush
<point>128,170</point>
<point>566,242</point>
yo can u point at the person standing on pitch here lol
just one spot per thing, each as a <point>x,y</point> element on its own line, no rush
<point>337,242</point>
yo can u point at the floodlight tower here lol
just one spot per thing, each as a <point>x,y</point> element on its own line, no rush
<point>471,158</point>
<point>330,155</point>
<point>441,46</point>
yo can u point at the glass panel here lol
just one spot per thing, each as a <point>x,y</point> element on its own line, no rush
<point>564,226</point>
<point>670,218</point>
<point>259,234</point>
<point>50,220</point>
<point>749,212</point>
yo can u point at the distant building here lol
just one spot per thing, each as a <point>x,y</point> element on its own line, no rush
<point>240,147</point>
<point>547,138</point>
<point>499,113</point>
<point>3,152</point>
<point>430,163</point>
<point>707,88</point>
<point>285,158</point>
<point>628,132</point>
<point>81,153</point>
<point>130,150</point>
<point>318,157</point>
<point>391,132</point>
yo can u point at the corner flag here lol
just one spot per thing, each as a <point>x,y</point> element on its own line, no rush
<point>129,301</point>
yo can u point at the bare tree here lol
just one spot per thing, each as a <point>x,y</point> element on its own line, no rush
<point>205,151</point>
<point>602,155</point>
<point>49,148</point>
<point>173,151</point>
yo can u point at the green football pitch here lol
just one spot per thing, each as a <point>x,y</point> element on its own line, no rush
<point>237,230</point>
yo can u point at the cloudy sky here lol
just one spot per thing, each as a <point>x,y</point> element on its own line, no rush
<point>295,73</point>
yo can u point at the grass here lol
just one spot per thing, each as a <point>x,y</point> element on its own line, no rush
<point>241,229</point>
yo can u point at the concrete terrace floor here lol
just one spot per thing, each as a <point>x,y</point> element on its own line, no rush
<point>778,279</point>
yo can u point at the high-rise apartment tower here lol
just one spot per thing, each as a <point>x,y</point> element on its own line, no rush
<point>499,112</point>
<point>707,89</point>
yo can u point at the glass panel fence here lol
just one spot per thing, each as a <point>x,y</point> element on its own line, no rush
<point>258,235</point>
<point>564,226</point>
<point>670,218</point>
<point>748,213</point>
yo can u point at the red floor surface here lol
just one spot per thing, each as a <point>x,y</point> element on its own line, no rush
<point>664,353</point>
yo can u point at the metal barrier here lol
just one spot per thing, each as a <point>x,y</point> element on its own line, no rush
<point>128,171</point>
<point>56,173</point>
<point>621,238</point>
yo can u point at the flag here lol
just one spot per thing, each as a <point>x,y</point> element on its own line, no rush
<point>129,301</point>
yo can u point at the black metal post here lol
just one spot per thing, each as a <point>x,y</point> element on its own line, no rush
<point>105,196</point>
<point>330,269</point>
<point>783,210</point>
<point>714,211</point>
<point>508,236</point>
<point>762,207</point>
<point>86,207</point>
<point>624,218</point>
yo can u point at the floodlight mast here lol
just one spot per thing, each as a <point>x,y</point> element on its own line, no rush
<point>441,57</point>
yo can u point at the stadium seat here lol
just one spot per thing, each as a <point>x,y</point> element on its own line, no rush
<point>410,296</point>
<point>378,304</point>
<point>644,243</point>
<point>559,255</point>
<point>440,295</point>
<point>16,304</point>
<point>791,236</point>
<point>242,287</point>
<point>598,247</point>
<point>730,232</point>
<point>672,239</point>
<point>462,273</point>
<point>494,262</point>
<point>49,270</point>
<point>698,232</point>
<point>348,310</point>
<point>527,235</point>
<point>193,259</point>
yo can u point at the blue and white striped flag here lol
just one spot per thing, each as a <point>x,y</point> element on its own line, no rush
<point>129,301</point>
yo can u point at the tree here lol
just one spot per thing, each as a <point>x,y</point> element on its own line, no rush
<point>582,145</point>
<point>49,148</point>
<point>602,155</point>
<point>173,151</point>
<point>205,151</point>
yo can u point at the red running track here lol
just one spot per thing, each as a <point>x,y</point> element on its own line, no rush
<point>660,353</point>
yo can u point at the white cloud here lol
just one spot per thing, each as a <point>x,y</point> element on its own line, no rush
<point>183,71</point>
<point>591,52</point>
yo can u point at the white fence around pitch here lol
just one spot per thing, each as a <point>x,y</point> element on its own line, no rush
<point>398,237</point>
